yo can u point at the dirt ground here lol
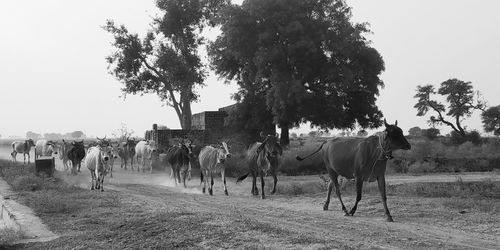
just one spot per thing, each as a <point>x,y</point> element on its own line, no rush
<point>285,221</point>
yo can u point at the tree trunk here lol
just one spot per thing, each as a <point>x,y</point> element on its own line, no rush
<point>186,115</point>
<point>284,137</point>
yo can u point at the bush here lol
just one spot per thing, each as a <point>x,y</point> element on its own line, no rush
<point>474,137</point>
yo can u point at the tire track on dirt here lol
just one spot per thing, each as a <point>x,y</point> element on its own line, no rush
<point>358,232</point>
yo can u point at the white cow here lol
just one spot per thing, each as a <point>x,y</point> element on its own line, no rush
<point>211,162</point>
<point>112,151</point>
<point>45,148</point>
<point>97,161</point>
<point>144,151</point>
<point>63,153</point>
<point>22,147</point>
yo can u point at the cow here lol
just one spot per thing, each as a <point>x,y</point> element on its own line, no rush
<point>76,155</point>
<point>45,148</point>
<point>126,151</point>
<point>211,162</point>
<point>112,152</point>
<point>22,147</point>
<point>144,150</point>
<point>362,159</point>
<point>63,149</point>
<point>262,158</point>
<point>97,161</point>
<point>179,157</point>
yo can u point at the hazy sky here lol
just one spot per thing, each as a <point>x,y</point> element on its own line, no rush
<point>54,78</point>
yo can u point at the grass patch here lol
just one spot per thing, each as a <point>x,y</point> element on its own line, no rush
<point>9,236</point>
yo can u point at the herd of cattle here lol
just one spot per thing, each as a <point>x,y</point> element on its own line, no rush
<point>99,157</point>
<point>362,159</point>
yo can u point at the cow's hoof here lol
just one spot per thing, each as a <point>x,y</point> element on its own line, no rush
<point>274,191</point>
<point>102,190</point>
<point>347,214</point>
<point>389,219</point>
<point>225,192</point>
<point>263,197</point>
<point>325,207</point>
<point>210,192</point>
<point>203,190</point>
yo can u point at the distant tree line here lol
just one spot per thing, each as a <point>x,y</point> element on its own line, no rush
<point>56,136</point>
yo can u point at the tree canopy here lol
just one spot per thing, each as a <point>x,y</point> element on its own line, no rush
<point>491,120</point>
<point>166,61</point>
<point>306,57</point>
<point>461,98</point>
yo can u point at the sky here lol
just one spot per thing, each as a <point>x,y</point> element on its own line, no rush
<point>54,77</point>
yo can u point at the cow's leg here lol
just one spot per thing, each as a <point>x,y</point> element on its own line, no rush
<point>262,184</point>
<point>333,182</point>
<point>203,180</point>
<point>275,181</point>
<point>79,166</point>
<point>102,182</point>
<point>223,175</point>
<point>255,191</point>
<point>29,158</point>
<point>381,188</point>
<point>13,155</point>
<point>211,188</point>
<point>184,176</point>
<point>24,158</point>
<point>359,190</point>
<point>92,180</point>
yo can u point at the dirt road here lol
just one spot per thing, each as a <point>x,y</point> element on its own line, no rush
<point>302,217</point>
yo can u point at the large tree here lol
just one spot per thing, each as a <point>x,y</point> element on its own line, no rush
<point>491,120</point>
<point>166,61</point>
<point>308,59</point>
<point>462,101</point>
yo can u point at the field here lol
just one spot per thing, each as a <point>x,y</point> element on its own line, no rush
<point>141,211</point>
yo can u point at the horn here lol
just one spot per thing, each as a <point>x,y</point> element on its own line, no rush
<point>276,135</point>
<point>396,123</point>
<point>385,122</point>
<point>99,139</point>
<point>262,135</point>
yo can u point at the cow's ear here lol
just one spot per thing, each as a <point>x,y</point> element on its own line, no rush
<point>385,123</point>
<point>262,135</point>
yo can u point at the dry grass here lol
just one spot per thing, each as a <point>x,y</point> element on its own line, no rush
<point>9,236</point>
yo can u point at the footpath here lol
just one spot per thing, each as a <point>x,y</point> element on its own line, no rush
<point>21,218</point>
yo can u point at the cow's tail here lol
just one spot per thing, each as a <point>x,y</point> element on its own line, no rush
<point>201,176</point>
<point>242,178</point>
<point>317,150</point>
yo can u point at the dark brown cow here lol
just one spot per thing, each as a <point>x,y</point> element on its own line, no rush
<point>126,151</point>
<point>262,158</point>
<point>363,159</point>
<point>179,158</point>
<point>76,155</point>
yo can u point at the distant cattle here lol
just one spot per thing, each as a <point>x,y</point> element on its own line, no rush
<point>262,158</point>
<point>97,162</point>
<point>63,149</point>
<point>22,147</point>
<point>212,160</point>
<point>76,155</point>
<point>179,157</point>
<point>45,148</point>
<point>112,151</point>
<point>126,151</point>
<point>363,159</point>
<point>144,151</point>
